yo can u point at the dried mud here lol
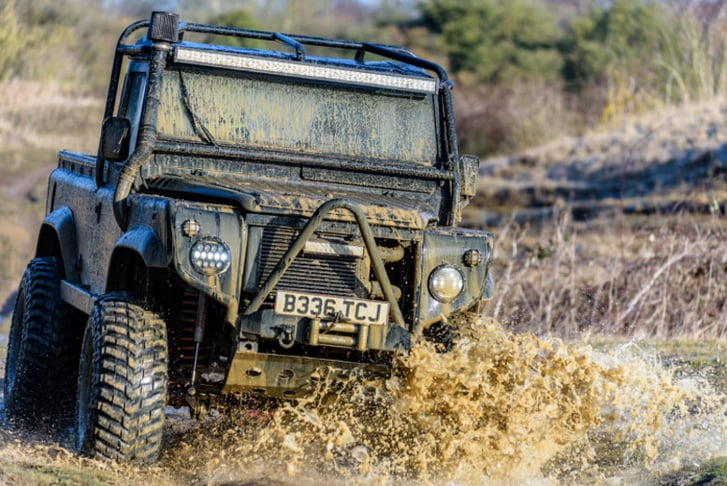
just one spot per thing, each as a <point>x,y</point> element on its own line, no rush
<point>499,408</point>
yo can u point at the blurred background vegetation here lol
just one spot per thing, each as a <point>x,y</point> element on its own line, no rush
<point>526,71</point>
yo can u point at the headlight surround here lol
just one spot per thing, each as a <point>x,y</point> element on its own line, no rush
<point>210,256</point>
<point>446,283</point>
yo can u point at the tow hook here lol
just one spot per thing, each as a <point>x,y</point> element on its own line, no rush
<point>285,336</point>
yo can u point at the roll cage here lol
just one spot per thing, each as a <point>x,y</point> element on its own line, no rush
<point>450,172</point>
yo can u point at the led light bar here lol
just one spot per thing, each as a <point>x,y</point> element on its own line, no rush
<point>297,69</point>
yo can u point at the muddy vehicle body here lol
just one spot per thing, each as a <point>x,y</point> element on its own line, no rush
<point>253,220</point>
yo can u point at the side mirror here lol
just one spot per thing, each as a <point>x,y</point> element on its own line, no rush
<point>469,167</point>
<point>115,139</point>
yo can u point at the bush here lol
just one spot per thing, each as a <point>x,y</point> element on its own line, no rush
<point>663,280</point>
<point>497,41</point>
<point>506,119</point>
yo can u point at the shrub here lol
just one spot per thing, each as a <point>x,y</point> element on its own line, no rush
<point>497,41</point>
<point>608,278</point>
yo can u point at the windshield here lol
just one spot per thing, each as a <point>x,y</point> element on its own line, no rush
<point>301,116</point>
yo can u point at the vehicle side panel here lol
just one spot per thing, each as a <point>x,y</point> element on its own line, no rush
<point>72,185</point>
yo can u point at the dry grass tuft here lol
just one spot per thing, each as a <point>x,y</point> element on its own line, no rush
<point>657,277</point>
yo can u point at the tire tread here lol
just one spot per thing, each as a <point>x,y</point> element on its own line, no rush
<point>130,381</point>
<point>48,348</point>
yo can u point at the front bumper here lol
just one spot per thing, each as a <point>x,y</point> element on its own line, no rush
<point>284,376</point>
<point>266,324</point>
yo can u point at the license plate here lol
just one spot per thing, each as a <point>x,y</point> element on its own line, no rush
<point>357,311</point>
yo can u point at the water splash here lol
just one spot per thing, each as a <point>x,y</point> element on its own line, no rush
<point>498,408</point>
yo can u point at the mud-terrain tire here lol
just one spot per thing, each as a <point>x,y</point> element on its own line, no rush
<point>43,348</point>
<point>122,382</point>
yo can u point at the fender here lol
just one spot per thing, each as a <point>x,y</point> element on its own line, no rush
<point>144,241</point>
<point>57,237</point>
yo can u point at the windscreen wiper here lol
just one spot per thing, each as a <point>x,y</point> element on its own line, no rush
<point>197,125</point>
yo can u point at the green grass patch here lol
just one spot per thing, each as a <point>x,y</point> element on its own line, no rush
<point>712,473</point>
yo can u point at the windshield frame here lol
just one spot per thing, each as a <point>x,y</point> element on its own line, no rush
<point>190,102</point>
<point>159,53</point>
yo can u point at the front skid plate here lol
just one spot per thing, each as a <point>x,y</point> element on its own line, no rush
<point>284,376</point>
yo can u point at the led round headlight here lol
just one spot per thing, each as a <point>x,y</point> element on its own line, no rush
<point>445,283</point>
<point>210,256</point>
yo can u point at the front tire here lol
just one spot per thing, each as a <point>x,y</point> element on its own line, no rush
<point>122,382</point>
<point>43,348</point>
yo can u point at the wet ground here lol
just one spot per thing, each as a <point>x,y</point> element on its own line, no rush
<point>499,409</point>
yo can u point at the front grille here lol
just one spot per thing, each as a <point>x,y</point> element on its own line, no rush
<point>314,274</point>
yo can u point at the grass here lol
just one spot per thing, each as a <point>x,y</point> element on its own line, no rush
<point>658,277</point>
<point>712,473</point>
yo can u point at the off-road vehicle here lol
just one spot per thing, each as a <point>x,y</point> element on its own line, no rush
<point>254,221</point>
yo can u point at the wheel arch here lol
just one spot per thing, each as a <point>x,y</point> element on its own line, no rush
<point>57,238</point>
<point>137,253</point>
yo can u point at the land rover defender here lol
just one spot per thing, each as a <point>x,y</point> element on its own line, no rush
<point>253,221</point>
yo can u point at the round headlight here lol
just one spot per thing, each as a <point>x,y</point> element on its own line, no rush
<point>210,256</point>
<point>445,283</point>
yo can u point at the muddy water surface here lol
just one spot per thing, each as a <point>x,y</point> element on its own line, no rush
<point>498,409</point>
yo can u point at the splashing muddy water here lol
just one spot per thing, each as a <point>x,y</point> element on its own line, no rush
<point>499,408</point>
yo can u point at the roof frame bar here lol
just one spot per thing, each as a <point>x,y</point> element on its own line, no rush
<point>298,42</point>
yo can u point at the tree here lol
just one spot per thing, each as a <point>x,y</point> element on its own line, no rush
<point>13,40</point>
<point>617,48</point>
<point>622,37</point>
<point>239,18</point>
<point>497,40</point>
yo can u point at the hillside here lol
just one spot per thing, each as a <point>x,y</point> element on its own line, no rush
<point>659,163</point>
